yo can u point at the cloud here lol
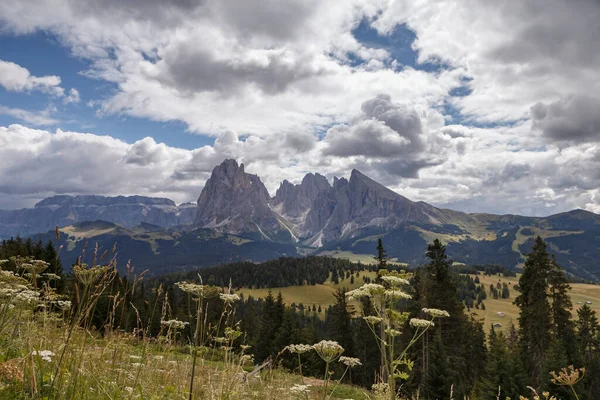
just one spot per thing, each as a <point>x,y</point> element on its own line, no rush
<point>287,88</point>
<point>72,97</point>
<point>285,67</point>
<point>515,53</point>
<point>570,119</point>
<point>15,78</point>
<point>40,118</point>
<point>396,138</point>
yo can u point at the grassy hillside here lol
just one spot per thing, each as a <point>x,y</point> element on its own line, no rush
<point>322,295</point>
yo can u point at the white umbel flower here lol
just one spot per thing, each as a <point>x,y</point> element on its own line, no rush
<point>371,319</point>
<point>397,294</point>
<point>328,350</point>
<point>350,361</point>
<point>434,312</point>
<point>174,324</point>
<point>299,348</point>
<point>229,298</point>
<point>300,389</point>
<point>394,280</point>
<point>420,323</point>
<point>46,355</point>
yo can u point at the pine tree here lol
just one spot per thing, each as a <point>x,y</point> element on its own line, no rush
<point>588,340</point>
<point>563,328</point>
<point>339,324</point>
<point>439,374</point>
<point>535,314</point>
<point>381,256</point>
<point>435,285</point>
<point>502,370</point>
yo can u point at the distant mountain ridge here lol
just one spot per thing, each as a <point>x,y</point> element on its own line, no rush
<point>235,210</point>
<point>128,211</point>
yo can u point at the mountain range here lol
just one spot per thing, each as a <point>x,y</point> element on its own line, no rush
<point>235,218</point>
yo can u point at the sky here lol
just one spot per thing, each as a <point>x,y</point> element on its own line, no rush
<point>474,105</point>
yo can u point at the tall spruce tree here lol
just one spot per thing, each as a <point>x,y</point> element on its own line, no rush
<point>535,314</point>
<point>563,328</point>
<point>436,288</point>
<point>381,256</point>
<point>588,340</point>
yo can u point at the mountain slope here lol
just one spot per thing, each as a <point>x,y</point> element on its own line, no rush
<point>235,218</point>
<point>235,202</point>
<point>67,210</point>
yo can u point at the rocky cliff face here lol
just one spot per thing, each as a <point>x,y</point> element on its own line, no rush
<point>235,202</point>
<point>68,210</point>
<point>351,205</point>
<point>293,202</point>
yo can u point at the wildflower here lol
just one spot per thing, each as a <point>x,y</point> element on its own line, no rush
<point>567,377</point>
<point>128,389</point>
<point>393,332</point>
<point>3,262</point>
<point>372,319</point>
<point>229,298</point>
<point>174,324</point>
<point>420,323</point>
<point>64,305</point>
<point>350,361</point>
<point>373,288</point>
<point>300,389</point>
<point>380,388</point>
<point>357,294</point>
<point>396,294</point>
<point>197,290</point>
<point>434,312</point>
<point>135,357</point>
<point>88,276</point>
<point>328,350</point>
<point>299,348</point>
<point>46,355</point>
<point>394,280</point>
<point>232,334</point>
<point>52,276</point>
<point>26,297</point>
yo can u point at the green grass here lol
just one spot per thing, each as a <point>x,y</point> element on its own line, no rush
<point>322,295</point>
<point>319,295</point>
<point>579,293</point>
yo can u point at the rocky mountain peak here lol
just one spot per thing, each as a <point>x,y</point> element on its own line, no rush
<point>294,201</point>
<point>235,201</point>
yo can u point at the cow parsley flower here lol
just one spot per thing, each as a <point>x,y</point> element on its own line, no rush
<point>396,294</point>
<point>434,312</point>
<point>174,324</point>
<point>51,276</point>
<point>64,305</point>
<point>229,298</point>
<point>299,348</point>
<point>420,323</point>
<point>46,355</point>
<point>371,319</point>
<point>300,389</point>
<point>350,361</point>
<point>328,350</point>
<point>394,280</point>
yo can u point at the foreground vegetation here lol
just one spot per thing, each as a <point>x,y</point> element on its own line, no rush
<point>396,334</point>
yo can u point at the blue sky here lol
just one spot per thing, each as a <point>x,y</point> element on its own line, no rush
<point>42,54</point>
<point>468,105</point>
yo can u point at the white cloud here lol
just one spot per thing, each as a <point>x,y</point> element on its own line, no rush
<point>72,97</point>
<point>15,78</point>
<point>41,118</point>
<point>277,85</point>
